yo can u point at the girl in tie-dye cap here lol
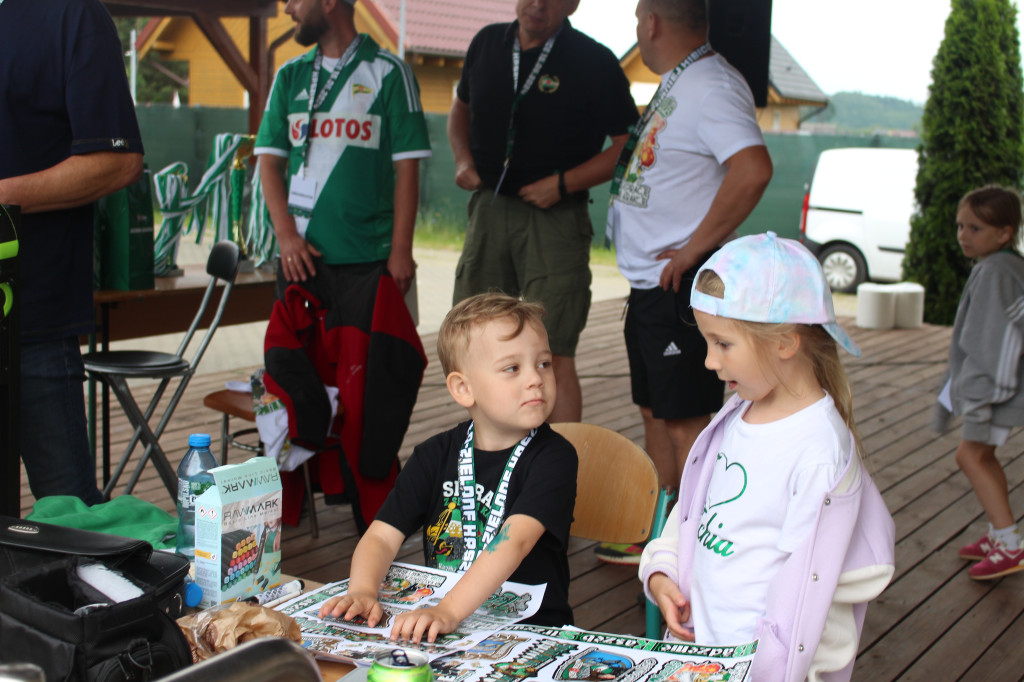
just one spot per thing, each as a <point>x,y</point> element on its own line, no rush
<point>779,534</point>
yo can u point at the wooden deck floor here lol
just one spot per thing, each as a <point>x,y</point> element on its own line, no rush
<point>932,623</point>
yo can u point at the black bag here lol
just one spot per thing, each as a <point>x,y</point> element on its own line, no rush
<point>50,617</point>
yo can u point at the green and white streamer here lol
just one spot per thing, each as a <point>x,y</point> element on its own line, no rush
<point>183,213</point>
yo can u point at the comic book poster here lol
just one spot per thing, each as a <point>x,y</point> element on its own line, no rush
<point>404,588</point>
<point>525,652</point>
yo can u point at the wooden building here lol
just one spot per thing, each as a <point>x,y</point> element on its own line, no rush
<point>437,35</point>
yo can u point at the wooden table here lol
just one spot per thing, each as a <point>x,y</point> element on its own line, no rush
<point>170,306</point>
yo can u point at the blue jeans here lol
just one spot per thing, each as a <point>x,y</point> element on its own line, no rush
<point>54,439</point>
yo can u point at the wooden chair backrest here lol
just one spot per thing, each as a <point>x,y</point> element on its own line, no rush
<point>616,487</point>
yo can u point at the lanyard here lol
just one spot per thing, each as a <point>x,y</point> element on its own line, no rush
<point>520,93</point>
<point>467,488</point>
<point>316,103</point>
<point>637,128</point>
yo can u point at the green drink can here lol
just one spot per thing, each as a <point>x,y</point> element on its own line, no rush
<point>400,665</point>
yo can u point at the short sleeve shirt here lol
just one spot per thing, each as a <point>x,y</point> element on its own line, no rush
<point>63,91</point>
<point>371,118</point>
<point>762,502</point>
<point>542,486</point>
<point>580,97</point>
<point>676,168</point>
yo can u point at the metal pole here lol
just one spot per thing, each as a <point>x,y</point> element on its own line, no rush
<point>134,65</point>
<point>401,32</point>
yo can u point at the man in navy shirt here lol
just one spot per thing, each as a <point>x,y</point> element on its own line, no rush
<point>68,136</point>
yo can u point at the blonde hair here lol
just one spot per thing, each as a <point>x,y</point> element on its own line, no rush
<point>997,206</point>
<point>816,346</point>
<point>453,337</point>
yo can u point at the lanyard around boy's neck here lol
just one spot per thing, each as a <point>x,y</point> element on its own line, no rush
<point>316,99</point>
<point>475,541</point>
<point>637,128</point>
<point>520,93</point>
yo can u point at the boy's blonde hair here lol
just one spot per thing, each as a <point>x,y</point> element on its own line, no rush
<point>997,206</point>
<point>453,337</point>
<point>816,345</point>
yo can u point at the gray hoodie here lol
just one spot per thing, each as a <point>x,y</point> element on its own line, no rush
<point>985,351</point>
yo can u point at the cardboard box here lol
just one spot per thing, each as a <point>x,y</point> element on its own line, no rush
<point>238,532</point>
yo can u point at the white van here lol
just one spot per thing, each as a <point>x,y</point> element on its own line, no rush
<point>856,214</point>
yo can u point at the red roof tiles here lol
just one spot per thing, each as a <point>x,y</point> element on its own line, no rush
<point>445,27</point>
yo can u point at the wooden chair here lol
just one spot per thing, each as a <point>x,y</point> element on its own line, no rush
<point>239,404</point>
<point>617,495</point>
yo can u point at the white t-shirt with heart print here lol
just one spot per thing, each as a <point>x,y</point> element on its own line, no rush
<point>765,492</point>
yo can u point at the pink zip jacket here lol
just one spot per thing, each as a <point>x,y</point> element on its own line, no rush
<point>817,601</point>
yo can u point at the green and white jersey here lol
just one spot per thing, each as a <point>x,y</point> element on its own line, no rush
<point>371,118</point>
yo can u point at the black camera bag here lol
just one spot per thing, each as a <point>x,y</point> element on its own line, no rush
<point>50,617</point>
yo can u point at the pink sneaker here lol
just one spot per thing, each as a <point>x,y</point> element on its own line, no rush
<point>976,551</point>
<point>1000,561</point>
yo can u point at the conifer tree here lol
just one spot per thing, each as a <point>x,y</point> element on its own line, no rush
<point>971,136</point>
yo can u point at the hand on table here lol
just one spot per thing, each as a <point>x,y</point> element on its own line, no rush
<point>349,606</point>
<point>432,621</point>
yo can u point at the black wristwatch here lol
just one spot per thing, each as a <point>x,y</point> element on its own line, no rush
<point>561,185</point>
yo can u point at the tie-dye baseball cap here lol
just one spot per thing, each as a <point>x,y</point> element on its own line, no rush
<point>771,279</point>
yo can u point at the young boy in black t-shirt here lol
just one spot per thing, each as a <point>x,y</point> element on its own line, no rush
<point>519,476</point>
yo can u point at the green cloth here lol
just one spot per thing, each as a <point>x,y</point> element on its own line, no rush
<point>124,515</point>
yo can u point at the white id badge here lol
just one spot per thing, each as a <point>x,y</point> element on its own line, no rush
<point>301,196</point>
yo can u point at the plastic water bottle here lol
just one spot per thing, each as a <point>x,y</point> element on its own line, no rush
<point>193,478</point>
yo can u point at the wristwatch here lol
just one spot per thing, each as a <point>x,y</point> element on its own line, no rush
<point>561,185</point>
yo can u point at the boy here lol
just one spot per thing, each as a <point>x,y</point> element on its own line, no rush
<point>495,356</point>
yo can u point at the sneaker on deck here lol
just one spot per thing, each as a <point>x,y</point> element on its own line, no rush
<point>612,553</point>
<point>976,551</point>
<point>1000,561</point>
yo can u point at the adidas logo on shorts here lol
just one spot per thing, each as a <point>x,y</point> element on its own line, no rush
<point>671,349</point>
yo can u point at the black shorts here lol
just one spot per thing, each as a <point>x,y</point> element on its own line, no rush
<point>666,355</point>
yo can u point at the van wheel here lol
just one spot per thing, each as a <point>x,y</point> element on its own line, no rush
<point>844,268</point>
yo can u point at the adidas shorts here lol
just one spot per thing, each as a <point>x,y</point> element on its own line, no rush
<point>666,355</point>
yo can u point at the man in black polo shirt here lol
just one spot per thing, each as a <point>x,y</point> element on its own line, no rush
<point>535,104</point>
<point>68,136</point>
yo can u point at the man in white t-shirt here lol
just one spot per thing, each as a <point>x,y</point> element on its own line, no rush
<point>697,168</point>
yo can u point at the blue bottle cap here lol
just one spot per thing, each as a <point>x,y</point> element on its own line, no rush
<point>193,594</point>
<point>199,440</point>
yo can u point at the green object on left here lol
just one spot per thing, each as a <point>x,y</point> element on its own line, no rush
<point>124,515</point>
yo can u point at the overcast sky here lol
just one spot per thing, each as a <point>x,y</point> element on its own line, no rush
<point>878,47</point>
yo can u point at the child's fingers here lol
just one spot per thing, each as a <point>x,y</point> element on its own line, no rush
<point>327,609</point>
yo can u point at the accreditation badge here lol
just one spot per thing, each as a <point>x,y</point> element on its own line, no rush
<point>301,196</point>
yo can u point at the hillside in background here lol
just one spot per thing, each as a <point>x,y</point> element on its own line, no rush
<point>855,112</point>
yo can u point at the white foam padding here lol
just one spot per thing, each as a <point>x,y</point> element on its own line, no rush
<point>876,306</point>
<point>909,305</point>
<point>111,583</point>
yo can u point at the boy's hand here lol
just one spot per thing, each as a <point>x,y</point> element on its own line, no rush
<point>674,607</point>
<point>350,605</point>
<point>432,621</point>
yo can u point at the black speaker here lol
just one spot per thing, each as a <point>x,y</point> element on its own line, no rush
<point>10,363</point>
<point>741,31</point>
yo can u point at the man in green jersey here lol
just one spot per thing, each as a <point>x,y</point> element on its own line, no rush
<point>339,149</point>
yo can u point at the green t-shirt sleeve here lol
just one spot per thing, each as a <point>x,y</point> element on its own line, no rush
<point>407,127</point>
<point>273,130</point>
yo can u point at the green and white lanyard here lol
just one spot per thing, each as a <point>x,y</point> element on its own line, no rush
<point>520,94</point>
<point>475,541</point>
<point>316,99</point>
<point>637,128</point>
